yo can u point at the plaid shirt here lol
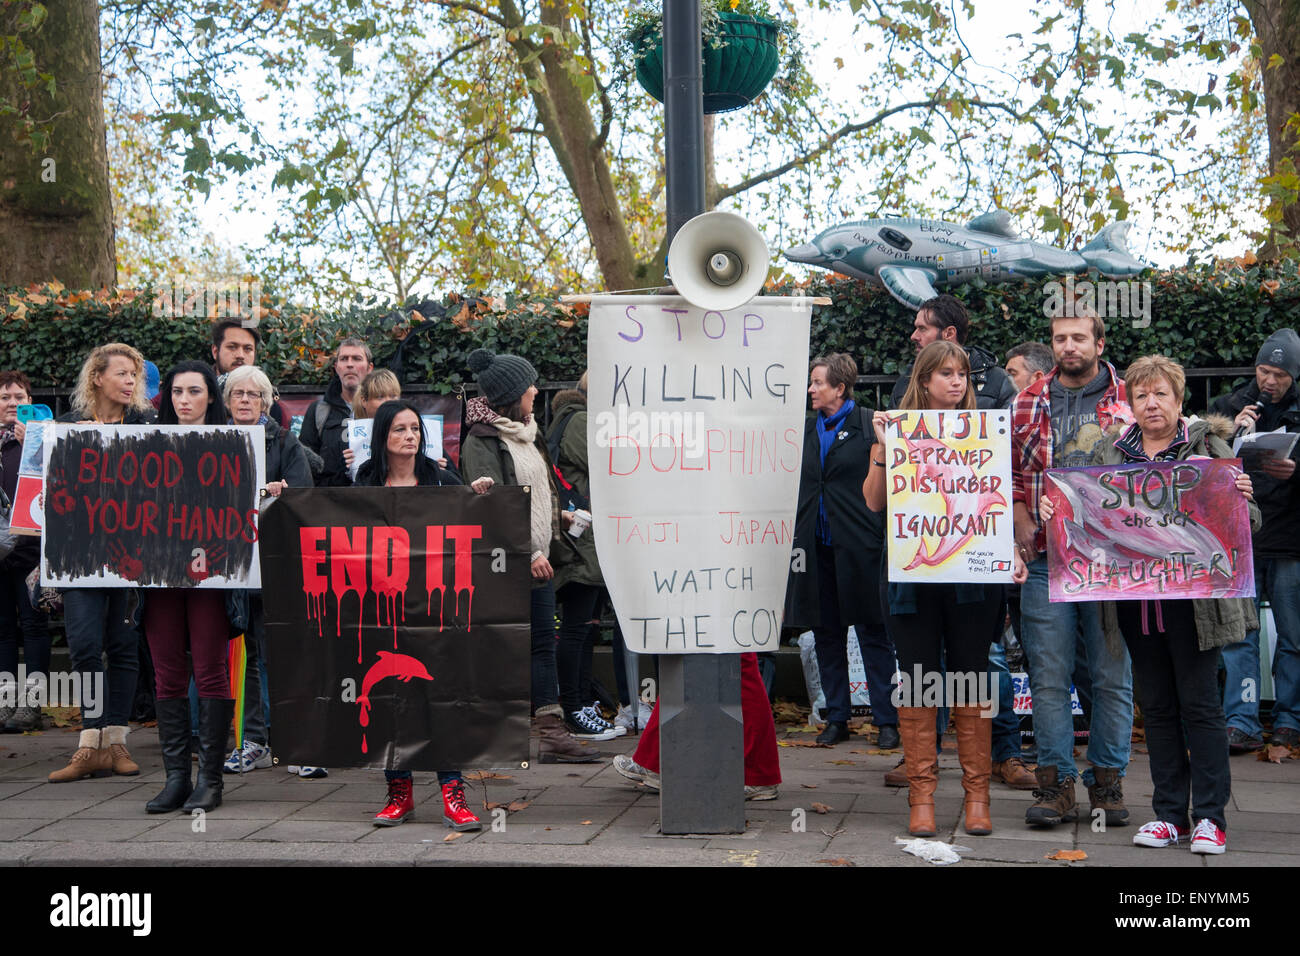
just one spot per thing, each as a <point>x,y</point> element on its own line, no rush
<point>1031,438</point>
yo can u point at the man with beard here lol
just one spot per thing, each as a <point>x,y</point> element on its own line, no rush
<point>944,317</point>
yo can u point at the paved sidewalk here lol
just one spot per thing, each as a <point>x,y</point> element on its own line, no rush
<point>585,814</point>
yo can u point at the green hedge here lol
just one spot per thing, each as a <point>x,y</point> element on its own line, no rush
<point>1202,316</point>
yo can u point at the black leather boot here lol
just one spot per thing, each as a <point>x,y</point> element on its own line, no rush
<point>835,732</point>
<point>214,721</point>
<point>174,734</point>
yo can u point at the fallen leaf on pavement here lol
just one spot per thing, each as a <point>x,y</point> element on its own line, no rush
<point>516,805</point>
<point>586,823</point>
<point>837,861</point>
<point>808,786</point>
<point>1068,855</point>
<point>882,753</point>
<point>486,775</point>
<point>843,763</point>
<point>1275,753</point>
<point>452,836</point>
<point>837,832</point>
<point>822,808</point>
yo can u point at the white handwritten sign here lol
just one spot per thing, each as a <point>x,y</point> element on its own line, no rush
<point>695,440</point>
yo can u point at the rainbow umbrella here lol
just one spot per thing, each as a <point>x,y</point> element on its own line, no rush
<point>236,663</point>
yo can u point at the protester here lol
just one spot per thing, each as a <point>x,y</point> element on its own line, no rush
<point>322,425</point>
<point>841,541</point>
<point>378,387</point>
<point>248,395</point>
<point>945,318</point>
<point>20,706</point>
<point>579,585</point>
<point>397,460</point>
<point>1027,363</point>
<point>762,761</point>
<point>504,443</point>
<point>1269,403</point>
<point>189,627</point>
<point>1174,645</point>
<point>941,626</point>
<point>1058,423</point>
<point>234,345</point>
<point>110,390</point>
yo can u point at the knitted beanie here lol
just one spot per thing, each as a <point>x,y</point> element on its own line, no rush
<point>1282,350</point>
<point>502,379</point>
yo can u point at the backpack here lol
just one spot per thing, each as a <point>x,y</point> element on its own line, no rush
<point>571,499</point>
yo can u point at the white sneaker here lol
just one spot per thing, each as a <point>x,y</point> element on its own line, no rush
<point>625,720</point>
<point>252,756</point>
<point>309,773</point>
<point>1158,833</point>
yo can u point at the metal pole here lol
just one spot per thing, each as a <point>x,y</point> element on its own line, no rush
<point>702,768</point>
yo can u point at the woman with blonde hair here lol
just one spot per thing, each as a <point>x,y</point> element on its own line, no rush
<point>110,390</point>
<point>379,386</point>
<point>938,627</point>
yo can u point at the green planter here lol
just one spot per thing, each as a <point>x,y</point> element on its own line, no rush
<point>735,73</point>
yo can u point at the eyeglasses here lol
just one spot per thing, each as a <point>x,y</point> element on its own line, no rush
<point>239,393</point>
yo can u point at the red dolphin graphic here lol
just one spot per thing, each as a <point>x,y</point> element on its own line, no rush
<point>401,666</point>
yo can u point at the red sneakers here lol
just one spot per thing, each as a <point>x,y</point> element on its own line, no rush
<point>455,813</point>
<point>400,804</point>
<point>1208,838</point>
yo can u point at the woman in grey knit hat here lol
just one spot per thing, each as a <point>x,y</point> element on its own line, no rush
<point>504,443</point>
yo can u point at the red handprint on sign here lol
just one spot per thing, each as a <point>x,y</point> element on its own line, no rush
<point>125,565</point>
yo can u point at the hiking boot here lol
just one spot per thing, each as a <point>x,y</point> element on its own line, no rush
<point>1107,794</point>
<point>898,776</point>
<point>1054,800</point>
<point>557,746</point>
<point>119,758</point>
<point>1285,737</point>
<point>1240,742</point>
<point>1014,774</point>
<point>89,760</point>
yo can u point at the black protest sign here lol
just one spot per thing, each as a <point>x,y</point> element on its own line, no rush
<point>152,506</point>
<point>397,624</point>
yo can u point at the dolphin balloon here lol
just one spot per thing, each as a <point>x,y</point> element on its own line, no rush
<point>909,257</point>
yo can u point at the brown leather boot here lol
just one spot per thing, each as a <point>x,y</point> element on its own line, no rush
<point>1106,794</point>
<point>1014,774</point>
<point>916,727</point>
<point>557,745</point>
<point>119,758</point>
<point>89,760</point>
<point>1054,801</point>
<point>975,751</point>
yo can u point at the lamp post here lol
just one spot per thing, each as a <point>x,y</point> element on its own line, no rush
<point>701,739</point>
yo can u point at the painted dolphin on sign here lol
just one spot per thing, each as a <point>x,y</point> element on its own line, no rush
<point>401,666</point>
<point>909,257</point>
<point>960,503</point>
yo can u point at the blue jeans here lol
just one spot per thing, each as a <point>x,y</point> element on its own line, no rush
<point>100,621</point>
<point>545,680</point>
<point>444,776</point>
<point>1279,578</point>
<point>1006,725</point>
<point>1050,633</point>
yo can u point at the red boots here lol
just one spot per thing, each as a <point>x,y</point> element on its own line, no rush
<point>400,804</point>
<point>454,811</point>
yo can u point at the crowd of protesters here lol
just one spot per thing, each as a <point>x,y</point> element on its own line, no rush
<point>1068,407</point>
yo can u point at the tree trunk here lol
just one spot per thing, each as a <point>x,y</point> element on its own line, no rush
<point>1277,24</point>
<point>56,215</point>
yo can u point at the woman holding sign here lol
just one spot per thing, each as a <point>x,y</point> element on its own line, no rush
<point>397,460</point>
<point>187,627</point>
<point>110,390</point>
<point>938,626</point>
<point>1175,645</point>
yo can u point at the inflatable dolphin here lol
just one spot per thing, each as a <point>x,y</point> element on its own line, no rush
<point>909,257</point>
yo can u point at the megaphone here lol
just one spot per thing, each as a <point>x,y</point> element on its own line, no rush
<point>718,261</point>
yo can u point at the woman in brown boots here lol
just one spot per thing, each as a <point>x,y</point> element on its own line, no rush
<point>938,626</point>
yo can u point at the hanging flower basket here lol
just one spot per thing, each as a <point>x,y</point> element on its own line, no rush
<point>739,61</point>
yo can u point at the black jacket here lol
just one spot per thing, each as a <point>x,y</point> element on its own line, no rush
<point>428,473</point>
<point>857,534</point>
<point>1279,501</point>
<point>993,386</point>
<point>285,458</point>
<point>328,441</point>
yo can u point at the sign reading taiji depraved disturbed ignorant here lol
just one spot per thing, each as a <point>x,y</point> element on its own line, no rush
<point>167,506</point>
<point>695,435</point>
<point>1177,529</point>
<point>398,627</point>
<point>948,479</point>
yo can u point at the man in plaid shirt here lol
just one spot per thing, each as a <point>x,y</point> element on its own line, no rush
<point>1059,422</point>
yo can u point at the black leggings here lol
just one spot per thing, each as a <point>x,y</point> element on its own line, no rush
<point>943,632</point>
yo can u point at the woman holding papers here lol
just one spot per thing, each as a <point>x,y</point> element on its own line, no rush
<point>938,627</point>
<point>110,390</point>
<point>1175,645</point>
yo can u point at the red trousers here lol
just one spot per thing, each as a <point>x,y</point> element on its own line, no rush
<point>762,765</point>
<point>177,620</point>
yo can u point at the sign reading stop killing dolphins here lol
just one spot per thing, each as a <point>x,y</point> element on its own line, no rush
<point>695,438</point>
<point>949,485</point>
